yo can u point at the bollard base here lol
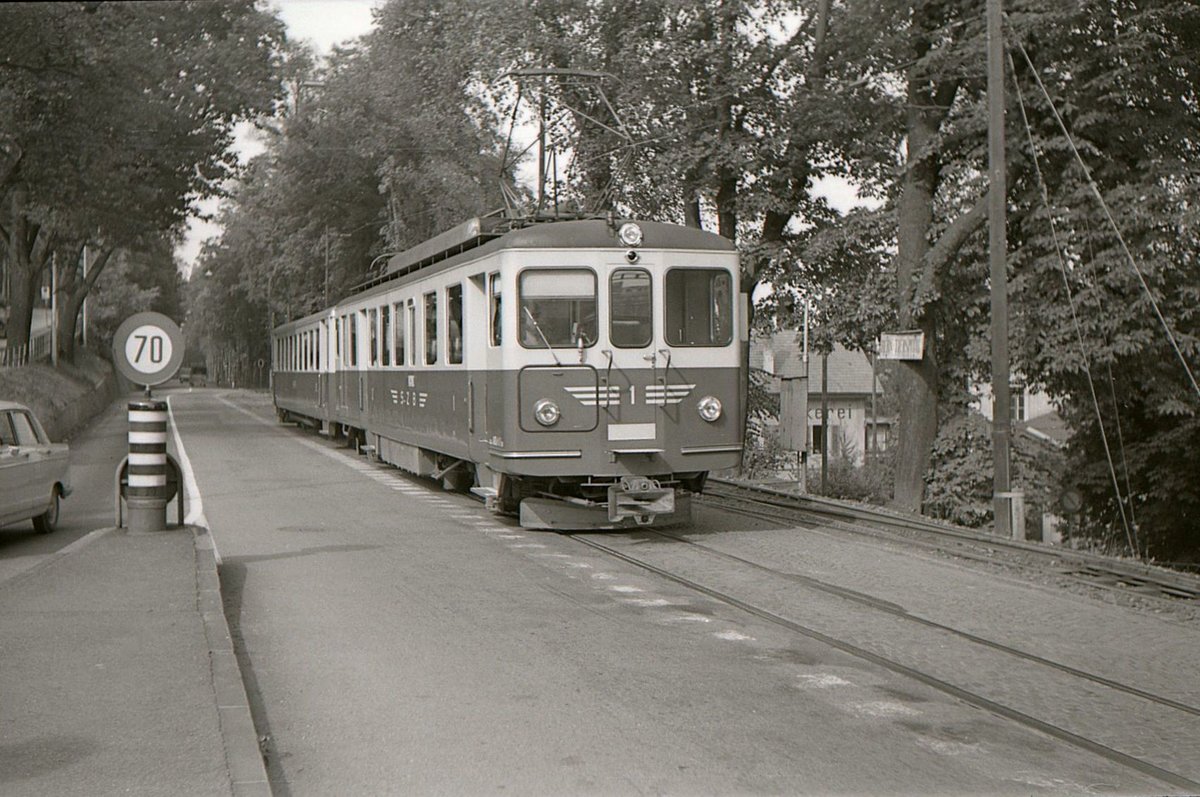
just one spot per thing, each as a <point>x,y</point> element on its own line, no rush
<point>146,514</point>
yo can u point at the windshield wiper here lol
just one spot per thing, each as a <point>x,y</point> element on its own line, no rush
<point>541,335</point>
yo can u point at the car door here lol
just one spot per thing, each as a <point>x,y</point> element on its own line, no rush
<point>16,477</point>
<point>39,468</point>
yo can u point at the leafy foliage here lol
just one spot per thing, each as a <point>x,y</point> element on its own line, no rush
<point>960,483</point>
<point>116,116</point>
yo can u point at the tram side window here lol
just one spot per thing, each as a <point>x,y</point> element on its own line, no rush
<point>352,338</point>
<point>494,308</point>
<point>431,336</point>
<point>399,326</point>
<point>412,332</point>
<point>385,334</point>
<point>372,335</point>
<point>454,325</point>
<point>558,307</point>
<point>631,307</point>
<point>699,307</point>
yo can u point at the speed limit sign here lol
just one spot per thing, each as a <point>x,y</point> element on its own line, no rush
<point>148,348</point>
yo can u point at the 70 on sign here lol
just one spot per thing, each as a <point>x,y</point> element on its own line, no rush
<point>148,348</point>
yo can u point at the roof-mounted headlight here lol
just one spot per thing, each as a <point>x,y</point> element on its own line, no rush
<point>630,234</point>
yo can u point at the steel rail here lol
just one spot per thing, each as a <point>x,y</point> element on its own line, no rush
<point>1087,567</point>
<point>965,695</point>
<point>897,611</point>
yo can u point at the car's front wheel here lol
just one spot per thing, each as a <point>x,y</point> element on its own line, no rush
<point>48,520</point>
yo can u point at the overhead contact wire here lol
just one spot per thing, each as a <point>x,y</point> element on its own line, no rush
<point>1108,214</point>
<point>1130,535</point>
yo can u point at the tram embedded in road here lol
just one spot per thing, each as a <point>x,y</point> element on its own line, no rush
<point>584,373</point>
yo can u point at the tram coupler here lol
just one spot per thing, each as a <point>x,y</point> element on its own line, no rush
<point>639,498</point>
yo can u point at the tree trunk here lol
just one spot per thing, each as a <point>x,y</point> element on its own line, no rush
<point>76,290</point>
<point>917,385</point>
<point>21,272</point>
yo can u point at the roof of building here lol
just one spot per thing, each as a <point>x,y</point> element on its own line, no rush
<point>782,355</point>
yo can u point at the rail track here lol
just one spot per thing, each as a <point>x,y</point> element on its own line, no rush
<point>1149,715</point>
<point>1078,566</point>
<point>1002,678</point>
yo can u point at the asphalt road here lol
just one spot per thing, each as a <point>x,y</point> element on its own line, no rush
<point>398,639</point>
<point>95,454</point>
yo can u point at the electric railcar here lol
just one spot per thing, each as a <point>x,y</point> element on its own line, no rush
<point>581,374</point>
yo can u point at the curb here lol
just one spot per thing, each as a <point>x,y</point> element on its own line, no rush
<point>243,758</point>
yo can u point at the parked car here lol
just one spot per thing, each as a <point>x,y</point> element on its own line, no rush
<point>34,473</point>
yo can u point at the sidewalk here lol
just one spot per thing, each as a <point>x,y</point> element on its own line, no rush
<point>117,673</point>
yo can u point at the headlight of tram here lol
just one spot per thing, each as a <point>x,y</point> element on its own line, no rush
<point>630,234</point>
<point>546,412</point>
<point>709,408</point>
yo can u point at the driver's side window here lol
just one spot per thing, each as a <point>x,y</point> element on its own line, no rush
<point>7,438</point>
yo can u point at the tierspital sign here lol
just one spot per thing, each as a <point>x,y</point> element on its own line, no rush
<point>902,345</point>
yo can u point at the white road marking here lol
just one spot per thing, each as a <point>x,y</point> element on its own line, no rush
<point>959,748</point>
<point>733,636</point>
<point>647,602</point>
<point>195,515</point>
<point>822,681</point>
<point>882,709</point>
<point>624,588</point>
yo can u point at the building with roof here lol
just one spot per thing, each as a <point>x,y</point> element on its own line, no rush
<point>854,428</point>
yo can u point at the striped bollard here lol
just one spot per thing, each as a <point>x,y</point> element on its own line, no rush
<point>145,493</point>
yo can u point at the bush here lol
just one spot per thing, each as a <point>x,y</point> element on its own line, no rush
<point>959,485</point>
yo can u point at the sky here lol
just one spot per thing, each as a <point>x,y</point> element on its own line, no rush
<point>322,23</point>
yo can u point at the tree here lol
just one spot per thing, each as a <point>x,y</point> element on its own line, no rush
<point>122,114</point>
<point>386,146</point>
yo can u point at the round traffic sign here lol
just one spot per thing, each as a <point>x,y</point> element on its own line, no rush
<point>148,348</point>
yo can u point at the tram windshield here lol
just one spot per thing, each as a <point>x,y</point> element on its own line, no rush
<point>699,307</point>
<point>558,307</point>
<point>630,302</point>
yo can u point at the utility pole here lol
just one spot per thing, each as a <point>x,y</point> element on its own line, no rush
<point>54,309</point>
<point>84,312</point>
<point>997,259</point>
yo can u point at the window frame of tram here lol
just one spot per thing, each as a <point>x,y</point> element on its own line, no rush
<point>385,335</point>
<point>622,310</point>
<point>411,316</point>
<point>549,330</point>
<point>373,336</point>
<point>495,308</point>
<point>400,333</point>
<point>697,300</point>
<point>431,328</point>
<point>455,324</point>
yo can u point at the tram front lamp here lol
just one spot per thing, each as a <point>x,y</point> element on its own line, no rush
<point>546,412</point>
<point>630,234</point>
<point>709,408</point>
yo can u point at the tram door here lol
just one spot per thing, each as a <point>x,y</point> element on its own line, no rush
<point>347,340</point>
<point>480,345</point>
<point>491,393</point>
<point>325,363</point>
